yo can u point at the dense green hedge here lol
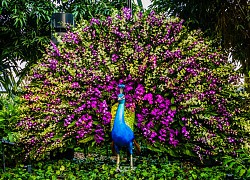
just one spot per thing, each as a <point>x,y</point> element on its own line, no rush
<point>148,168</point>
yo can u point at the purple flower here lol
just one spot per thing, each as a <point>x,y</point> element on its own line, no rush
<point>185,132</point>
<point>163,135</point>
<point>153,60</point>
<point>57,52</point>
<point>127,13</point>
<point>167,102</point>
<point>172,140</point>
<point>150,124</point>
<point>183,118</point>
<point>70,78</point>
<point>79,109</point>
<point>152,13</point>
<point>37,76</point>
<point>139,91</point>
<point>94,21</point>
<point>109,20</point>
<point>138,48</point>
<point>165,121</point>
<point>152,136</point>
<point>159,99</point>
<point>148,97</point>
<point>53,63</point>
<point>68,120</point>
<point>114,57</point>
<point>140,14</point>
<point>99,134</point>
<point>155,112</point>
<point>106,118</point>
<point>140,118</point>
<point>75,85</point>
<point>171,70</point>
<point>93,104</point>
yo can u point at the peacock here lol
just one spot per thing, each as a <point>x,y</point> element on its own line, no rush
<point>122,134</point>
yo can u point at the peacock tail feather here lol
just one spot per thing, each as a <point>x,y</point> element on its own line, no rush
<point>129,116</point>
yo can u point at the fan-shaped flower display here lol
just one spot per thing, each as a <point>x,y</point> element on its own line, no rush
<point>178,85</point>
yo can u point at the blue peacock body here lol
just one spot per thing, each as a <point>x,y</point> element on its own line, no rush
<point>122,134</point>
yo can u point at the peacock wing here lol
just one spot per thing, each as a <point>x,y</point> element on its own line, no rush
<point>129,116</point>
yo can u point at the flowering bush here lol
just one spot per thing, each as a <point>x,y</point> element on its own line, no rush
<point>180,87</point>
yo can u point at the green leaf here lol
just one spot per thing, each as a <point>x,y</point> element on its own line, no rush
<point>85,140</point>
<point>156,149</point>
<point>58,172</point>
<point>188,152</point>
<point>172,100</point>
<point>4,3</point>
<point>225,162</point>
<point>242,172</point>
<point>62,168</point>
<point>145,173</point>
<point>248,172</point>
<point>231,164</point>
<point>172,152</point>
<point>71,124</point>
<point>173,108</point>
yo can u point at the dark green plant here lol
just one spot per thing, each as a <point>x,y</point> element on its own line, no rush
<point>9,116</point>
<point>92,169</point>
<point>87,9</point>
<point>25,29</point>
<point>238,165</point>
<point>9,113</point>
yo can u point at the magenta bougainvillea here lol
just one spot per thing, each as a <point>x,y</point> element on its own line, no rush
<point>180,87</point>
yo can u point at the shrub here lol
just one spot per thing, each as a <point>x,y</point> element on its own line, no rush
<point>180,87</point>
<point>9,113</point>
<point>93,170</point>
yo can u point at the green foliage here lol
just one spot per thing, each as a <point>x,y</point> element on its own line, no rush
<point>9,113</point>
<point>8,83</point>
<point>24,29</point>
<point>226,21</point>
<point>238,165</point>
<point>93,169</point>
<point>9,116</point>
<point>87,9</point>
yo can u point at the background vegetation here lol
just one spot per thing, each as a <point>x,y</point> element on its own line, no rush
<point>179,84</point>
<point>225,21</point>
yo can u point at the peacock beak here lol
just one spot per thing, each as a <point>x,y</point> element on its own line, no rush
<point>121,98</point>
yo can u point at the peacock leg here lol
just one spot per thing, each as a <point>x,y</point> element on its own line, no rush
<point>118,163</point>
<point>131,161</point>
<point>130,148</point>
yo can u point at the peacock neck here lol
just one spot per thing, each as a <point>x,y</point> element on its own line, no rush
<point>119,118</point>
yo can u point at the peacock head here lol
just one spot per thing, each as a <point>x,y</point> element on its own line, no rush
<point>121,96</point>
